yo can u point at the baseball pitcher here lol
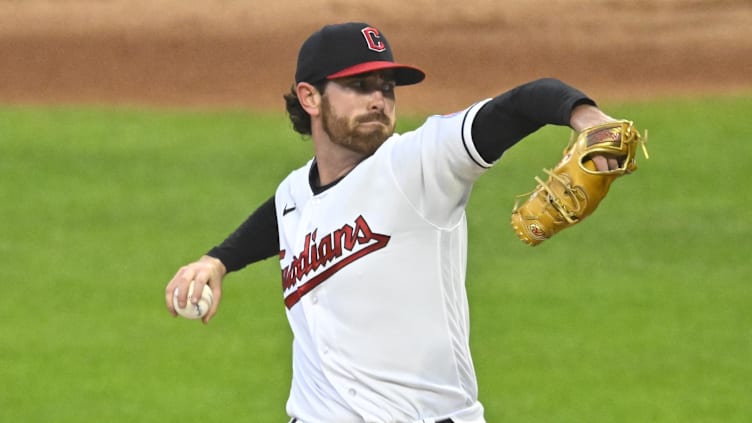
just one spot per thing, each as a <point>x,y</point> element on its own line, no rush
<point>371,232</point>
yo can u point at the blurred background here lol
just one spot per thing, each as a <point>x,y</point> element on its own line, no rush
<point>242,53</point>
<point>134,135</point>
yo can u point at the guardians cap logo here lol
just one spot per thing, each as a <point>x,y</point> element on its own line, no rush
<point>373,39</point>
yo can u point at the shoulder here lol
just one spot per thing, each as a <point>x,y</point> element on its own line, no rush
<point>295,181</point>
<point>449,125</point>
<point>299,173</point>
<point>440,135</point>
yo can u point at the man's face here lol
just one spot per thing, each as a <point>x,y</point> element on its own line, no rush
<point>358,112</point>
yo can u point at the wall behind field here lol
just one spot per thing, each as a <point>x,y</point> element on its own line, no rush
<point>231,53</point>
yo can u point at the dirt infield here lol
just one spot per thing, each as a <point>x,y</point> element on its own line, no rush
<point>231,53</point>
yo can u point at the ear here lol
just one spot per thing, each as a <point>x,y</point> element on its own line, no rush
<point>309,97</point>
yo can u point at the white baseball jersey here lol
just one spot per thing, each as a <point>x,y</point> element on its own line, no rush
<point>373,273</point>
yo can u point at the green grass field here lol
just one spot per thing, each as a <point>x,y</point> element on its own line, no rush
<point>642,313</point>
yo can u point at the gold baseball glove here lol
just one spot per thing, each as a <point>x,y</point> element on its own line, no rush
<point>575,187</point>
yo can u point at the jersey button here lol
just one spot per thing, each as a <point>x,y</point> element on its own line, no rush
<point>352,392</point>
<point>315,300</point>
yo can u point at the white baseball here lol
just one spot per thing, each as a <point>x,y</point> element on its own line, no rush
<point>194,311</point>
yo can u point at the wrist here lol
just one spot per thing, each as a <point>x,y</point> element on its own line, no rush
<point>215,264</point>
<point>585,116</point>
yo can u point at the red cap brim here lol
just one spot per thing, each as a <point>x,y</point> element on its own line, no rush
<point>403,74</point>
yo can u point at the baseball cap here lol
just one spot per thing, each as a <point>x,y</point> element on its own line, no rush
<point>347,49</point>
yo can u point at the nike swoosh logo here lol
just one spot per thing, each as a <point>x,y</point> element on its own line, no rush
<point>287,210</point>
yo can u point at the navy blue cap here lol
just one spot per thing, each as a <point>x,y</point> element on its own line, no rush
<point>337,51</point>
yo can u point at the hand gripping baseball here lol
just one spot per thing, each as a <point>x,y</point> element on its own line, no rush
<point>205,271</point>
<point>575,187</point>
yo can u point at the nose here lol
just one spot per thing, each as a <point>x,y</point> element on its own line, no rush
<point>377,101</point>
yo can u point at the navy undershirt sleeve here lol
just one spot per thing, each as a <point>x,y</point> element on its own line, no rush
<point>254,240</point>
<point>513,115</point>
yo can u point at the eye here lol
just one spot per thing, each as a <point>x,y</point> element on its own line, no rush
<point>366,85</point>
<point>360,85</point>
<point>388,87</point>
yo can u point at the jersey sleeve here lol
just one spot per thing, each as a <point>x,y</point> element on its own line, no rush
<point>436,165</point>
<point>257,238</point>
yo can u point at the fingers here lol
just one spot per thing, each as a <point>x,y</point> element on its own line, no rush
<point>605,163</point>
<point>217,293</point>
<point>201,279</point>
<point>179,282</point>
<point>215,272</point>
<point>601,163</point>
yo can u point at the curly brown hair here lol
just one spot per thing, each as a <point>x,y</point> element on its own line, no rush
<point>301,120</point>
